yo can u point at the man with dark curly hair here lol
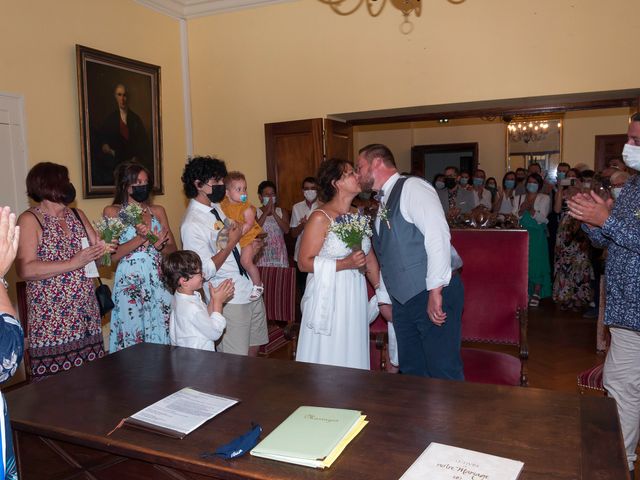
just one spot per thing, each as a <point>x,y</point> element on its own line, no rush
<point>204,221</point>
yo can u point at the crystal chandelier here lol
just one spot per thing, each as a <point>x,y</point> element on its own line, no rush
<point>528,131</point>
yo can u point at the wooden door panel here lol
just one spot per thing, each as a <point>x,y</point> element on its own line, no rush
<point>339,140</point>
<point>294,151</point>
<point>607,148</point>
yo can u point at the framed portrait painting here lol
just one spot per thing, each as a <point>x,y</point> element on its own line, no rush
<point>119,118</point>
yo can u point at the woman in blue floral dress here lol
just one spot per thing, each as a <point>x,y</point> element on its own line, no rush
<point>142,304</point>
<point>11,338</point>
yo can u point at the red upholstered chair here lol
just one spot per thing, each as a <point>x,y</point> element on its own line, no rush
<point>280,304</point>
<point>591,379</point>
<point>495,303</point>
<point>21,291</point>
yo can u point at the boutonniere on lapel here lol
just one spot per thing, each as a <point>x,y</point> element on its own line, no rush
<point>218,225</point>
<point>383,213</point>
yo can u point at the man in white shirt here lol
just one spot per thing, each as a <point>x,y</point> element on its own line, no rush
<point>203,181</point>
<point>419,267</point>
<point>299,215</point>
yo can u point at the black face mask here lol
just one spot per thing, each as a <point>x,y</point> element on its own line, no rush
<point>69,194</point>
<point>140,193</point>
<point>217,193</point>
<point>449,182</point>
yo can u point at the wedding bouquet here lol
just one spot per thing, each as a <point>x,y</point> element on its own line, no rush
<point>351,228</point>
<point>132,215</point>
<point>109,229</point>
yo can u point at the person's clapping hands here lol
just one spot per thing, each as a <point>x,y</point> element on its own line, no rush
<point>590,208</point>
<point>9,236</point>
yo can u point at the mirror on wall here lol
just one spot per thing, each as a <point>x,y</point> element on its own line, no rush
<point>534,140</point>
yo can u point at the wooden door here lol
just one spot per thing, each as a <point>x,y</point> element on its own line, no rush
<point>294,151</point>
<point>338,140</point>
<point>607,148</point>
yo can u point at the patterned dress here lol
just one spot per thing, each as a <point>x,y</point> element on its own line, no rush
<point>274,251</point>
<point>573,271</point>
<point>63,315</point>
<point>11,349</point>
<point>142,304</point>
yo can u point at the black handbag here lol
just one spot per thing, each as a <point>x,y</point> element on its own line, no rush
<point>103,292</point>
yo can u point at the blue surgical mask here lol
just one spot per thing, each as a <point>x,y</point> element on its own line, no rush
<point>439,185</point>
<point>615,192</point>
<point>464,181</point>
<point>478,182</point>
<point>532,187</point>
<point>561,175</point>
<point>265,200</point>
<point>509,184</point>
<point>631,156</point>
<point>243,198</point>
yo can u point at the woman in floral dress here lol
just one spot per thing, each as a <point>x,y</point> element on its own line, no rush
<point>142,303</point>
<point>63,314</point>
<point>275,223</point>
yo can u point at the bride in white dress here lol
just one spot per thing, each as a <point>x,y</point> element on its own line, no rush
<point>335,325</point>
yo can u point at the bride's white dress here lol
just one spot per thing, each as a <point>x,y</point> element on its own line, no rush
<point>344,337</point>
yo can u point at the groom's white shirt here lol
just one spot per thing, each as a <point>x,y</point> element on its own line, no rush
<point>420,205</point>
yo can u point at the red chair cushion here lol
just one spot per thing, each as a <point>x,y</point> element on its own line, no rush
<point>495,283</point>
<point>592,378</point>
<point>279,293</point>
<point>484,366</point>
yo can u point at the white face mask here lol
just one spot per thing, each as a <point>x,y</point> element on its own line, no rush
<point>310,195</point>
<point>615,192</point>
<point>631,156</point>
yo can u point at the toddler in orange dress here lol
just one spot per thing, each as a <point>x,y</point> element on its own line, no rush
<point>236,208</point>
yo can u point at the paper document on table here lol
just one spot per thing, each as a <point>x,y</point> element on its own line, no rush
<point>443,462</point>
<point>180,413</point>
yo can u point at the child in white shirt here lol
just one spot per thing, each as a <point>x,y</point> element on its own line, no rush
<point>192,323</point>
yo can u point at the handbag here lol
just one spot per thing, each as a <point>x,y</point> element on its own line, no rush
<point>103,292</point>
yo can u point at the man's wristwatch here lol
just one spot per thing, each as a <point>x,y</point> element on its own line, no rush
<point>4,283</point>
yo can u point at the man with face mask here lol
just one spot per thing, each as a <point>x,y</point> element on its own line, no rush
<point>299,215</point>
<point>454,200</point>
<point>617,227</point>
<point>203,223</point>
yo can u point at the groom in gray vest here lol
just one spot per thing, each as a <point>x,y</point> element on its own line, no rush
<point>419,267</point>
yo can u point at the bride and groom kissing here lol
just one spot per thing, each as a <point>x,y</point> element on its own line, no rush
<point>408,258</point>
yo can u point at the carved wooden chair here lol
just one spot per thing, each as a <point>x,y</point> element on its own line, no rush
<point>280,304</point>
<point>378,339</point>
<point>495,304</point>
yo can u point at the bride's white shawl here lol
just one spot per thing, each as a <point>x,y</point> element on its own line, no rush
<point>318,308</point>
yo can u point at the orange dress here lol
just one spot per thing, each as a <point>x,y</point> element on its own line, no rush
<point>235,211</point>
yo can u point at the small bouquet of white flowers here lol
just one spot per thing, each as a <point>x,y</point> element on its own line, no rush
<point>132,215</point>
<point>351,228</point>
<point>109,229</point>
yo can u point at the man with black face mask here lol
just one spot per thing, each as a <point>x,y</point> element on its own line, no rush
<point>204,221</point>
<point>454,200</point>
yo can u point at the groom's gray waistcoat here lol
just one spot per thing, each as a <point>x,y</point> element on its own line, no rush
<point>400,250</point>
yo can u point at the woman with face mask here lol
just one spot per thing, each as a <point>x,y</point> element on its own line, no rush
<point>275,222</point>
<point>142,303</point>
<point>533,208</point>
<point>503,202</point>
<point>572,267</point>
<point>51,259</point>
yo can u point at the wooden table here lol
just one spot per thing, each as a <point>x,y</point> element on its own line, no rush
<point>61,423</point>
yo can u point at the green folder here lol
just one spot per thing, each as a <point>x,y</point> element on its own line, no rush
<point>311,436</point>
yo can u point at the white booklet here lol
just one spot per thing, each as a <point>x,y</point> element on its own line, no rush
<point>443,462</point>
<point>180,413</point>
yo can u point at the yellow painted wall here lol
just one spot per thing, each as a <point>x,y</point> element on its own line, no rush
<point>300,60</point>
<point>37,59</point>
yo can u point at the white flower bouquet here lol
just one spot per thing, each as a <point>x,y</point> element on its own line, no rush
<point>132,215</point>
<point>351,228</point>
<point>109,229</point>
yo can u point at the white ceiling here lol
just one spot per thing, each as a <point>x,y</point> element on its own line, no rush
<point>187,9</point>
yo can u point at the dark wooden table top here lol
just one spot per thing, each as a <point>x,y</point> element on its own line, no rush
<point>557,436</point>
